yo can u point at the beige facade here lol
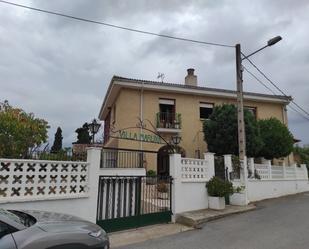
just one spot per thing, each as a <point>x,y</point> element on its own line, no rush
<point>129,100</point>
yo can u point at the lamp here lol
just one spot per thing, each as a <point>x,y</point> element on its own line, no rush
<point>176,139</point>
<point>94,127</point>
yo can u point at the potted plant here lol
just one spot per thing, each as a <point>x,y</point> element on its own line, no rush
<point>238,198</point>
<point>162,191</point>
<point>217,189</point>
<point>151,177</point>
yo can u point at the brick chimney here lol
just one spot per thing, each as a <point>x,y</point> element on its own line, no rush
<point>191,79</point>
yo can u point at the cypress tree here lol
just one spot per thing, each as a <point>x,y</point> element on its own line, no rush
<point>57,146</point>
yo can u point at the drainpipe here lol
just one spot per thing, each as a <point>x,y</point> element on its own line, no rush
<point>141,112</point>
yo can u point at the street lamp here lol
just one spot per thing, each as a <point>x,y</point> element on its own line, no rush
<point>94,127</point>
<point>176,139</point>
<point>240,104</point>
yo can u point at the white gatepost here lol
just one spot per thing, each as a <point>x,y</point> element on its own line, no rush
<point>210,158</point>
<point>175,173</point>
<point>228,164</point>
<point>251,165</point>
<point>268,163</point>
<point>93,158</point>
<point>284,170</point>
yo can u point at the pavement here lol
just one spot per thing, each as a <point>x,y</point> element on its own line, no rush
<point>197,218</point>
<point>281,223</point>
<point>185,222</point>
<point>145,233</point>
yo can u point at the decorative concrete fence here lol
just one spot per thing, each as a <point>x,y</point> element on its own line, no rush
<point>189,180</point>
<point>27,180</point>
<point>56,186</point>
<point>275,180</point>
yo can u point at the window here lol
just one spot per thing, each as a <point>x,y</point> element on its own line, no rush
<point>167,113</point>
<point>206,110</point>
<point>252,110</point>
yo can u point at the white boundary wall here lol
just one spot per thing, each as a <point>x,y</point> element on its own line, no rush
<point>189,179</point>
<point>82,205</point>
<point>275,180</point>
<point>266,189</point>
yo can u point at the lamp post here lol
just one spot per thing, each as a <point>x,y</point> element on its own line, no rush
<point>94,127</point>
<point>176,140</point>
<point>240,104</point>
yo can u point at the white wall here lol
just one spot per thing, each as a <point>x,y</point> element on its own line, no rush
<point>189,182</point>
<point>83,206</point>
<point>265,189</point>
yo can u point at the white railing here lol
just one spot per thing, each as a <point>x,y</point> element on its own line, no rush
<point>194,170</point>
<point>274,172</point>
<point>26,180</point>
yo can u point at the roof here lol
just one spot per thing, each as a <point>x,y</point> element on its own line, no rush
<point>186,89</point>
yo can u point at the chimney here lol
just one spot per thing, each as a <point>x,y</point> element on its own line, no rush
<point>191,79</point>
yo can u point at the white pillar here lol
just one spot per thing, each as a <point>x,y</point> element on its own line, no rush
<point>251,165</point>
<point>175,172</point>
<point>93,158</point>
<point>210,158</point>
<point>228,164</point>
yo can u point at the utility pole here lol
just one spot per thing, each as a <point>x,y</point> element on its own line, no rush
<point>240,106</point>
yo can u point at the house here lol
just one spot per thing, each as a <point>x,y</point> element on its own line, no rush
<point>171,109</point>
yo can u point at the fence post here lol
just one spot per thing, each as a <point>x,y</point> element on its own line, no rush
<point>210,158</point>
<point>305,171</point>
<point>295,171</point>
<point>93,158</point>
<point>268,163</point>
<point>228,164</point>
<point>284,172</point>
<point>175,172</point>
<point>251,166</point>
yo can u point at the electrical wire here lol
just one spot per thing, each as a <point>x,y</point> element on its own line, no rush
<point>271,82</point>
<point>116,26</point>
<point>262,83</point>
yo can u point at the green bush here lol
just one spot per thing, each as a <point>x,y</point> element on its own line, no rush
<point>151,173</point>
<point>277,139</point>
<point>219,188</point>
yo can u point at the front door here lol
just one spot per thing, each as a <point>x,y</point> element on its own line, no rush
<point>163,161</point>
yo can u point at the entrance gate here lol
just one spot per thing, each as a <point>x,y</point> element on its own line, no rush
<point>132,201</point>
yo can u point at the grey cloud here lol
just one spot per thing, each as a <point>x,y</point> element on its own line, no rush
<point>60,68</point>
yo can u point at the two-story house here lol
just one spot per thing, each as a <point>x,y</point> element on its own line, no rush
<point>171,109</point>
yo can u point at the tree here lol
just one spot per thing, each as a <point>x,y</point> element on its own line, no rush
<point>301,154</point>
<point>83,136</point>
<point>20,132</point>
<point>221,131</point>
<point>278,140</point>
<point>57,146</point>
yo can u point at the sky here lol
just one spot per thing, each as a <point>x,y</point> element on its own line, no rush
<point>60,68</point>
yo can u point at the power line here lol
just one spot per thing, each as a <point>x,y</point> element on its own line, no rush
<point>116,26</point>
<point>262,83</point>
<point>254,76</point>
<point>271,82</point>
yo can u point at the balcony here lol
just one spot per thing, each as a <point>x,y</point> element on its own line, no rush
<point>168,122</point>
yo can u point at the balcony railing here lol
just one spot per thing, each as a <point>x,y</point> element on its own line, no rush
<point>168,120</point>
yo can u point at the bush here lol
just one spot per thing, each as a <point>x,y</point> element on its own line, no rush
<point>221,131</point>
<point>219,188</point>
<point>277,139</point>
<point>162,187</point>
<point>151,173</point>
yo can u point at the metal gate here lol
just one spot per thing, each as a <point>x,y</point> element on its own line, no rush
<point>132,201</point>
<point>220,170</point>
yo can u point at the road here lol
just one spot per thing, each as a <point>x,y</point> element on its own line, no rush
<point>279,223</point>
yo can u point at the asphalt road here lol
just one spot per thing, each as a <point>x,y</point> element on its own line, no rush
<point>279,223</point>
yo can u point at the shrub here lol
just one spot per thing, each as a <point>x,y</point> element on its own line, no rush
<point>221,131</point>
<point>219,188</point>
<point>278,140</point>
<point>151,173</point>
<point>162,187</point>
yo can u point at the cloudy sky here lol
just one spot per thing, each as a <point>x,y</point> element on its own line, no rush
<point>60,68</point>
